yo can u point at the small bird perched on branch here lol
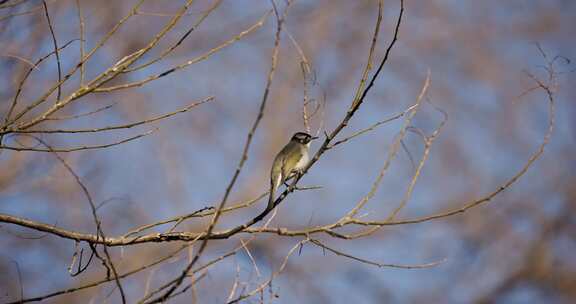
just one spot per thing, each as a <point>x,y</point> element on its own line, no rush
<point>289,162</point>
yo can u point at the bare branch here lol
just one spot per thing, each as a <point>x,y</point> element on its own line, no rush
<point>379,265</point>
<point>124,126</point>
<point>81,26</point>
<point>393,151</point>
<point>102,281</point>
<point>272,277</point>
<point>21,82</point>
<point>179,42</point>
<point>200,58</point>
<point>59,65</point>
<point>74,149</point>
<point>374,126</point>
<point>107,262</point>
<point>68,117</point>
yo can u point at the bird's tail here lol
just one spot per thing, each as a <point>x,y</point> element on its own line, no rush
<point>271,196</point>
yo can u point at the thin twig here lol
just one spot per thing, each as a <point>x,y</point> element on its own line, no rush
<point>179,42</point>
<point>393,151</point>
<point>374,126</point>
<point>82,42</point>
<point>428,140</point>
<point>26,75</point>
<point>108,260</point>
<point>28,62</point>
<point>272,277</point>
<point>380,265</point>
<point>59,65</point>
<point>123,126</point>
<point>102,281</point>
<point>200,58</point>
<point>81,148</point>
<point>67,117</point>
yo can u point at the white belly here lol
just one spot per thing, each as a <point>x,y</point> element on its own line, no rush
<point>303,161</point>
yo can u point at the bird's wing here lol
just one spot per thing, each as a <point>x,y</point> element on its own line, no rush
<point>276,172</point>
<point>293,156</point>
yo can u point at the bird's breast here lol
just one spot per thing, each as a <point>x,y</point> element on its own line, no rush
<point>303,160</point>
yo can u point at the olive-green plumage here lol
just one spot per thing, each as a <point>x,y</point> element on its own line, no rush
<point>289,161</point>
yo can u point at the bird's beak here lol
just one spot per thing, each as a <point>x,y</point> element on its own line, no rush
<point>314,137</point>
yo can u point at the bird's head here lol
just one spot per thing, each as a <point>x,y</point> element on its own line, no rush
<point>303,138</point>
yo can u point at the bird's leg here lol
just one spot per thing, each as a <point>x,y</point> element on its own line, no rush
<point>286,181</point>
<point>294,175</point>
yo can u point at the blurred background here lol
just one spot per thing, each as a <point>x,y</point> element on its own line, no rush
<point>518,248</point>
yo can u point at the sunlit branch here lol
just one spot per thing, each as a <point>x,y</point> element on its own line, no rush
<point>189,62</point>
<point>377,264</point>
<point>80,148</point>
<point>124,126</point>
<point>169,50</point>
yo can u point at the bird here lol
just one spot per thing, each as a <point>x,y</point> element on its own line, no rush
<point>289,162</point>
